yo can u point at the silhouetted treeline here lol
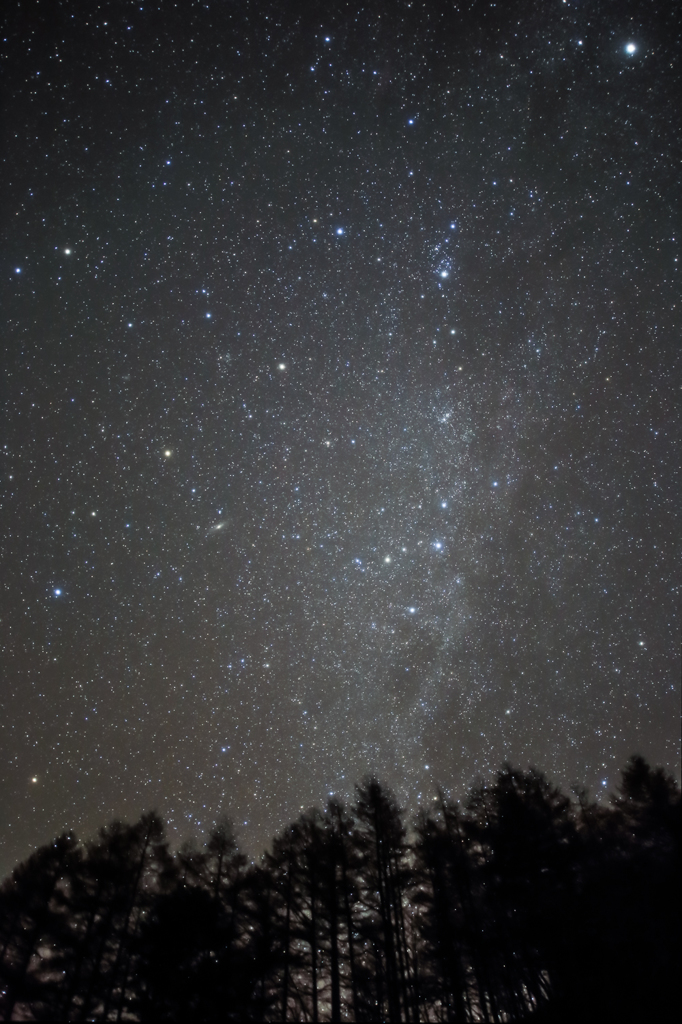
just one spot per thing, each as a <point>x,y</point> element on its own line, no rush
<point>517,904</point>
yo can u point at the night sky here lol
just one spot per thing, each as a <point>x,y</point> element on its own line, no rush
<point>340,403</point>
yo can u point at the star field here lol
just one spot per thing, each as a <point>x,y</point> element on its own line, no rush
<point>340,407</point>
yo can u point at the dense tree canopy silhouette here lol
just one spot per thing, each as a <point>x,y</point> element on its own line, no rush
<point>518,904</point>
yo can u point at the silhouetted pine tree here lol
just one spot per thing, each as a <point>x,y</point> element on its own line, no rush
<point>314,866</point>
<point>386,978</point>
<point>622,950</point>
<point>201,949</point>
<point>31,924</point>
<point>340,898</point>
<point>117,881</point>
<point>263,950</point>
<point>279,869</point>
<point>300,880</point>
<point>449,986</point>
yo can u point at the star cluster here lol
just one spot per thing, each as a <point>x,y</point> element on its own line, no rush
<point>342,358</point>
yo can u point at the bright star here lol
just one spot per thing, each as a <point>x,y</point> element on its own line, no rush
<point>437,545</point>
<point>281,366</point>
<point>412,610</point>
<point>67,252</point>
<point>168,453</point>
<point>339,231</point>
<point>387,559</point>
<point>57,592</point>
<point>631,48</point>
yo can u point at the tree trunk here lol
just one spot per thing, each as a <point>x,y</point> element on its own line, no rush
<point>287,933</point>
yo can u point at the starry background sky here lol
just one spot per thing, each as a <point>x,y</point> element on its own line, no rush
<point>340,405</point>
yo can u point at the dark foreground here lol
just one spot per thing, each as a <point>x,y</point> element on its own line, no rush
<point>519,905</point>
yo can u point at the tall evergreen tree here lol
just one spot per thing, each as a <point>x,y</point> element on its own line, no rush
<point>623,933</point>
<point>31,920</point>
<point>120,876</point>
<point>388,987</point>
<point>524,833</point>
<point>443,897</point>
